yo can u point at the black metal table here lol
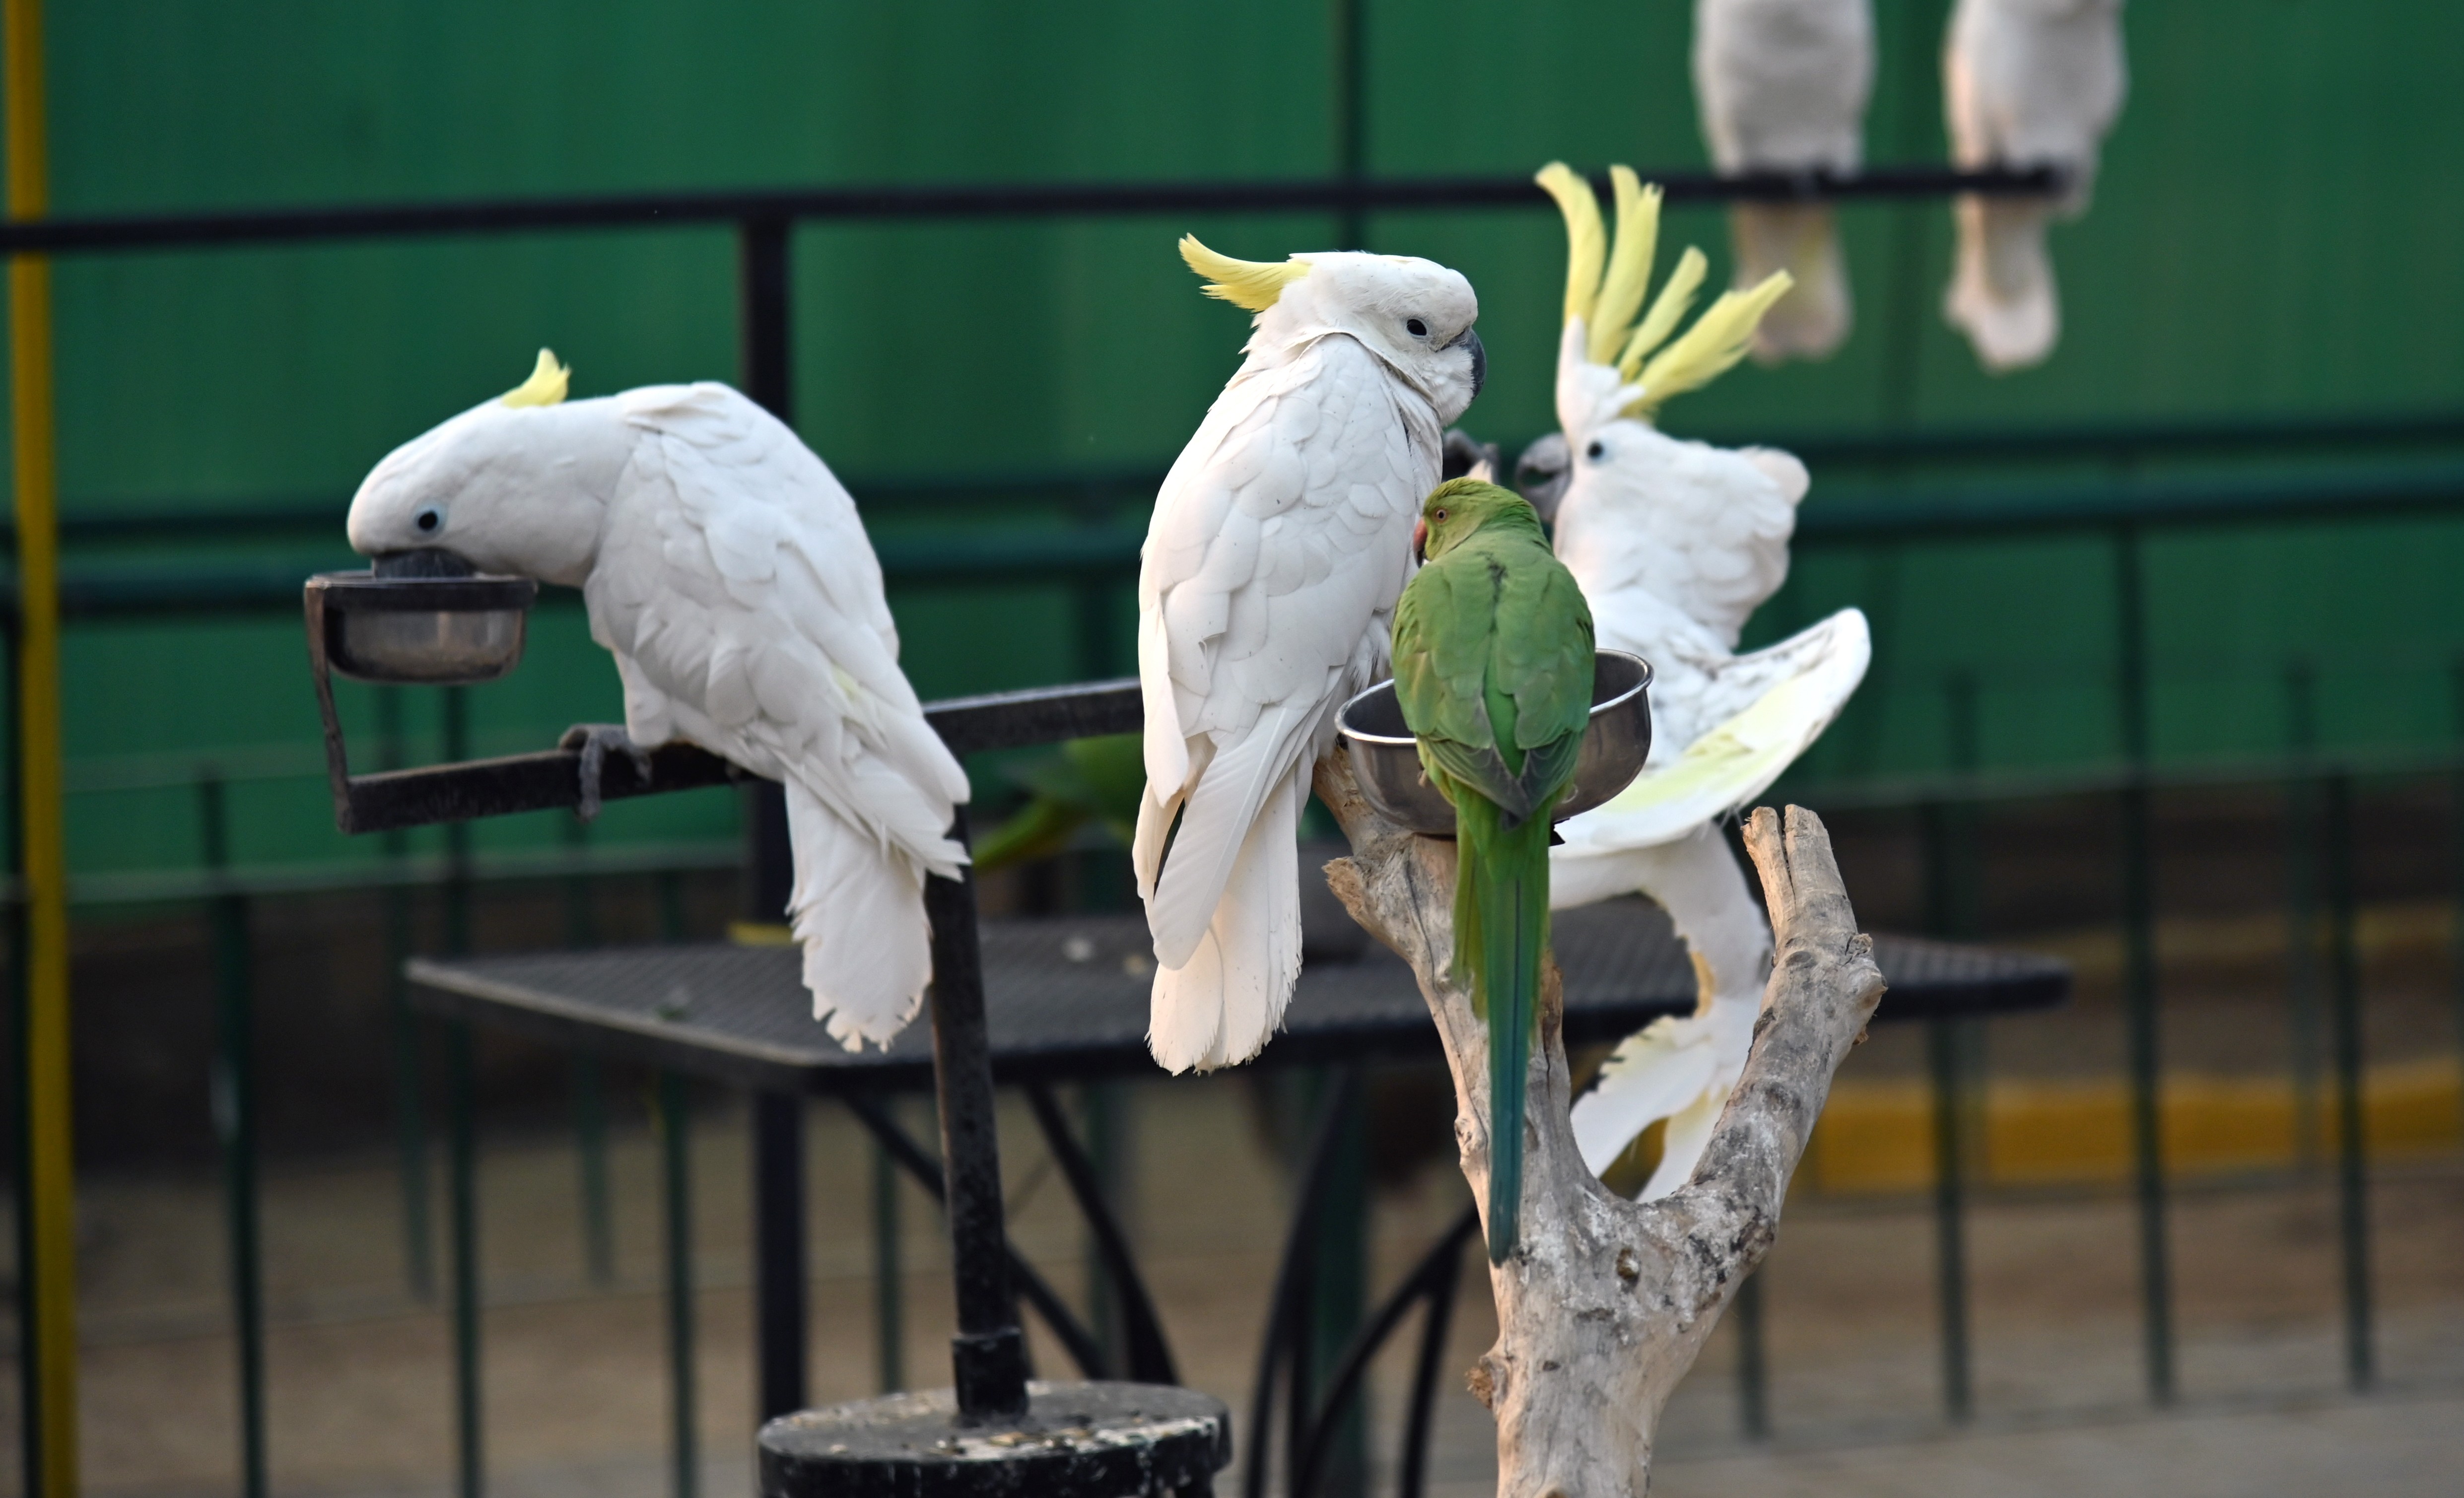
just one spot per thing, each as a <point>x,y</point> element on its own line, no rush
<point>1065,1001</point>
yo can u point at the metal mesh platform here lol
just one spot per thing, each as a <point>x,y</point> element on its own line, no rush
<point>1067,999</point>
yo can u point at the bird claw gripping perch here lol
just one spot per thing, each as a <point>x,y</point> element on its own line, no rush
<point>595,740</point>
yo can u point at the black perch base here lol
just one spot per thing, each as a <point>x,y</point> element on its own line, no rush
<point>1076,1441</point>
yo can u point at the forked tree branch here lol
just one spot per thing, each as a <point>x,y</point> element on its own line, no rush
<point>1605,1303</point>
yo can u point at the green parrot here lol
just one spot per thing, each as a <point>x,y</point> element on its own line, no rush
<point>1089,780</point>
<point>1493,670</point>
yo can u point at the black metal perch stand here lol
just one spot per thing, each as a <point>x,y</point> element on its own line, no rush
<point>425,618</point>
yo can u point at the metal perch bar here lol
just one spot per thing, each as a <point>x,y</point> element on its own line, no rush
<point>964,203</point>
<point>550,780</point>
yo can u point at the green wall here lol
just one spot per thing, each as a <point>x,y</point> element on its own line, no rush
<point>2269,243</point>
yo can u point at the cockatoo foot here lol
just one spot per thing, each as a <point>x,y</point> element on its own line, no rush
<point>595,740</point>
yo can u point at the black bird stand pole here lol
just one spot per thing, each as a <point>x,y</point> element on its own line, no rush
<point>991,1432</point>
<point>988,1355</point>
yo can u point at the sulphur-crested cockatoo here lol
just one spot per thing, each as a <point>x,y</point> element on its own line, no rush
<point>726,571</point>
<point>1782,87</point>
<point>2025,83</point>
<point>1675,544</point>
<point>1266,588</point>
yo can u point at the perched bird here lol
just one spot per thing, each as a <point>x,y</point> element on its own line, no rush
<point>726,569</point>
<point>1279,543</point>
<point>1098,780</point>
<point>1782,87</point>
<point>2025,83</point>
<point>1465,457</point>
<point>1675,544</point>
<point>1493,673</point>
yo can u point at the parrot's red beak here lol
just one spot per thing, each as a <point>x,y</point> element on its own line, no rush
<point>1420,540</point>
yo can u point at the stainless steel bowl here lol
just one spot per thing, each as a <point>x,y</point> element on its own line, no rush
<point>1386,760</point>
<point>425,618</point>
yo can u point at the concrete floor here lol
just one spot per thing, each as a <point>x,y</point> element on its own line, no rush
<point>577,1390</point>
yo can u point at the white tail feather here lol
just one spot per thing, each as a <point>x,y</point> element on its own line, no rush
<point>1218,819</point>
<point>1667,1069</point>
<point>1155,811</point>
<point>2002,294</point>
<point>1803,239</point>
<point>1680,1149</point>
<point>1218,1008</point>
<point>1649,1076</point>
<point>858,908</point>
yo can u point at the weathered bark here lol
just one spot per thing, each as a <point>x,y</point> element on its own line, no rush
<point>1605,1302</point>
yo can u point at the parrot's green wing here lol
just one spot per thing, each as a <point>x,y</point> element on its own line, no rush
<point>1544,660</point>
<point>1444,625</point>
<point>1493,670</point>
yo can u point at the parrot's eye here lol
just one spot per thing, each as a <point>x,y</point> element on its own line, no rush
<point>1416,328</point>
<point>1596,452</point>
<point>430,519</point>
<point>1439,517</point>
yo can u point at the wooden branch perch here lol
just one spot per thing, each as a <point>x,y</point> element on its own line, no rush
<point>1605,1302</point>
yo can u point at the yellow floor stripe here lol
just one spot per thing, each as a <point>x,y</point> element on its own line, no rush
<point>1879,1135</point>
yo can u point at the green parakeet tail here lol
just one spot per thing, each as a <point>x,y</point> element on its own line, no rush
<point>1501,934</point>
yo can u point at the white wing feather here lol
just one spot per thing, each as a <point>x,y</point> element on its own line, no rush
<point>1798,685</point>
<point>744,604</point>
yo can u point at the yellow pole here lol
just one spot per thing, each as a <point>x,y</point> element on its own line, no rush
<point>51,1184</point>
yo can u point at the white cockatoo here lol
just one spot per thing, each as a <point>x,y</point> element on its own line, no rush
<point>1675,544</point>
<point>1266,587</point>
<point>1782,87</point>
<point>726,569</point>
<point>2025,83</point>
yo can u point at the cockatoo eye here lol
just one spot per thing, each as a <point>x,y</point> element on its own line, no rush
<point>1596,450</point>
<point>429,518</point>
<point>1416,328</point>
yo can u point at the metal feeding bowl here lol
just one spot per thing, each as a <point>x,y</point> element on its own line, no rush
<point>1386,761</point>
<point>423,617</point>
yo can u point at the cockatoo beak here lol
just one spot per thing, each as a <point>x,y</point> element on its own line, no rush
<point>1420,541</point>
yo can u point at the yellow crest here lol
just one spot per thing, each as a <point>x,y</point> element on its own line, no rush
<point>1586,244</point>
<point>1606,289</point>
<point>546,385</point>
<point>1253,285</point>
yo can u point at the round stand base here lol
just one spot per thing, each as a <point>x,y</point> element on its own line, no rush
<point>1076,1441</point>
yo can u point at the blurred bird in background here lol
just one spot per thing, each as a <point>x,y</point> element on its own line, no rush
<point>1782,86</point>
<point>2025,83</point>
<point>1675,544</point>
